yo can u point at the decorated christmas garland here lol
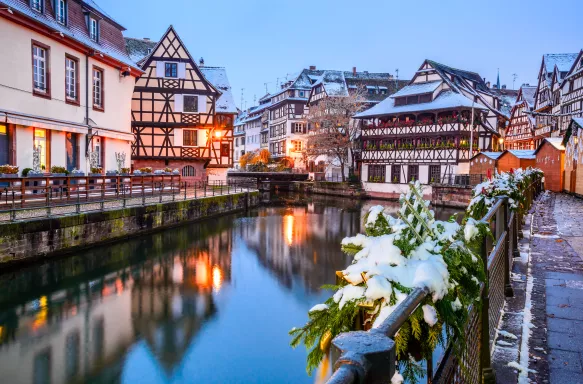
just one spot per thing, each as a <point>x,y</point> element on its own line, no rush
<point>398,254</point>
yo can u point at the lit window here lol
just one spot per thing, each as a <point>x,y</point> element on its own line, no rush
<point>61,11</point>
<point>40,140</point>
<point>189,138</point>
<point>97,88</point>
<point>171,69</point>
<point>39,56</point>
<point>297,146</point>
<point>71,79</point>
<point>93,29</point>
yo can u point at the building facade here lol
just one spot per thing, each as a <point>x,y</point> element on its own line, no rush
<point>182,113</point>
<point>65,86</point>
<point>571,94</point>
<point>520,131</point>
<point>428,130</point>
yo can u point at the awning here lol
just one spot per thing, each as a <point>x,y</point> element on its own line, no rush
<point>36,122</point>
<point>113,134</point>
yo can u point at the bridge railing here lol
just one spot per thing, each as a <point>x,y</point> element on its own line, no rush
<point>37,197</point>
<point>369,357</point>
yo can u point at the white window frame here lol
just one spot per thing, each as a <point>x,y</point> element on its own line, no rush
<point>61,11</point>
<point>71,79</point>
<point>93,29</point>
<point>300,126</point>
<point>97,88</point>
<point>40,69</point>
<point>37,5</point>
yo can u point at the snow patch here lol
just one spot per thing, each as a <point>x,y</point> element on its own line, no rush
<point>318,308</point>
<point>508,335</point>
<point>429,315</point>
<point>397,378</point>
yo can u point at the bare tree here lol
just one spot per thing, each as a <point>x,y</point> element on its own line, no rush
<point>333,131</point>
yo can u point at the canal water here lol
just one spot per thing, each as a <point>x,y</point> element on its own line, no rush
<point>210,302</point>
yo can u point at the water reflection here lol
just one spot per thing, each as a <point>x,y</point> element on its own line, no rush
<point>209,302</point>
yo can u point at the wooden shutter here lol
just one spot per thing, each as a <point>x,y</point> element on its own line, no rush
<point>178,103</point>
<point>160,68</point>
<point>202,104</point>
<point>181,70</point>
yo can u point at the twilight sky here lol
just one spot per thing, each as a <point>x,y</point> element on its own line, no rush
<point>259,41</point>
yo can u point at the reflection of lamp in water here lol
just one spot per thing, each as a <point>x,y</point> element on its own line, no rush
<point>288,228</point>
<point>217,278</point>
<point>41,316</point>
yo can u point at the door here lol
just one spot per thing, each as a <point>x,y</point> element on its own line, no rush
<point>72,150</point>
<point>4,144</point>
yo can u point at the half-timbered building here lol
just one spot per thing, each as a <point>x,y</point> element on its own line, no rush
<point>425,131</point>
<point>520,132</point>
<point>571,93</point>
<point>182,113</point>
<point>545,98</point>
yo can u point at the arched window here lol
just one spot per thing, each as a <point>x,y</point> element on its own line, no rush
<point>188,170</point>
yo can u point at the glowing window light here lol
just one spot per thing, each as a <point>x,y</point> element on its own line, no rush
<point>217,278</point>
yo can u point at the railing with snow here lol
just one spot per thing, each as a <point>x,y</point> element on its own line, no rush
<point>369,357</point>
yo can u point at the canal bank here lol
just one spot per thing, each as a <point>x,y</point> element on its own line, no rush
<point>29,240</point>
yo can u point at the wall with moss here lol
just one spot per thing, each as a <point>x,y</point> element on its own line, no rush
<point>330,188</point>
<point>28,240</point>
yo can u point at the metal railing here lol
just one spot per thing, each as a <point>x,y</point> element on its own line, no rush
<point>369,357</point>
<point>46,196</point>
<point>463,179</point>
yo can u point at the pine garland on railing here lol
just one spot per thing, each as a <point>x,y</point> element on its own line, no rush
<point>396,255</point>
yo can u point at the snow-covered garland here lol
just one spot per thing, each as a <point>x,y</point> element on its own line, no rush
<point>396,255</point>
<point>512,184</point>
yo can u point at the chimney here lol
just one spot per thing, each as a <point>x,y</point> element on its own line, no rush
<point>488,84</point>
<point>504,86</point>
<point>354,71</point>
<point>147,38</point>
<point>201,62</point>
<point>312,67</point>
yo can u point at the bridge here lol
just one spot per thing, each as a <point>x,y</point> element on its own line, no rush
<point>266,181</point>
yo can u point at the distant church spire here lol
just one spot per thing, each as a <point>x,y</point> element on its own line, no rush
<point>498,80</point>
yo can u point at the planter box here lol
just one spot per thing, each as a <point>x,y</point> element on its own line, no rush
<point>111,174</point>
<point>95,174</point>
<point>58,174</point>
<point>77,174</point>
<point>9,175</point>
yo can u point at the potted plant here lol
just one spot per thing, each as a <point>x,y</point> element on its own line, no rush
<point>146,170</point>
<point>137,172</point>
<point>175,171</point>
<point>159,172</point>
<point>8,170</point>
<point>125,171</point>
<point>58,171</point>
<point>96,171</point>
<point>168,170</point>
<point>77,173</point>
<point>111,172</point>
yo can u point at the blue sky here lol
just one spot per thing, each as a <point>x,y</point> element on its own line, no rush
<point>259,41</point>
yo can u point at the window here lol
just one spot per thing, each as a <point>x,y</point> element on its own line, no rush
<point>396,174</point>
<point>413,173</point>
<point>298,127</point>
<point>225,149</point>
<point>400,101</point>
<point>190,104</point>
<point>302,94</point>
<point>434,173</point>
<point>61,11</point>
<point>40,69</point>
<point>190,138</point>
<point>376,173</point>
<point>40,139</point>
<point>71,79</point>
<point>93,29</point>
<point>171,69</point>
<point>98,88</point>
<point>37,5</point>
<point>4,145</point>
<point>189,170</point>
<point>296,145</point>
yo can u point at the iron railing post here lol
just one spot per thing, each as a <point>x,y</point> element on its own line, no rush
<point>13,211</point>
<point>505,227</point>
<point>485,361</point>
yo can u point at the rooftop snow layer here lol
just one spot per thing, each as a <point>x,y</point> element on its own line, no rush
<point>138,48</point>
<point>556,142</point>
<point>522,153</point>
<point>563,61</point>
<point>418,88</point>
<point>528,93</point>
<point>218,78</point>
<point>445,100</point>
<point>491,155</point>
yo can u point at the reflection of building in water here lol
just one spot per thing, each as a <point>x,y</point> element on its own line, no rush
<point>294,242</point>
<point>80,328</point>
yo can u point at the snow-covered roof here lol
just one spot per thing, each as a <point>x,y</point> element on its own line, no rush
<point>218,78</point>
<point>556,142</point>
<point>137,49</point>
<point>334,83</point>
<point>73,32</point>
<point>491,155</point>
<point>522,153</point>
<point>563,61</point>
<point>528,93</point>
<point>418,88</point>
<point>445,100</point>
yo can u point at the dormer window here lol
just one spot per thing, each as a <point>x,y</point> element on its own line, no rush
<point>93,29</point>
<point>37,5</point>
<point>61,11</point>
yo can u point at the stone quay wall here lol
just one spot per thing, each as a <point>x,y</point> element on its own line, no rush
<point>457,196</point>
<point>30,240</point>
<point>330,188</point>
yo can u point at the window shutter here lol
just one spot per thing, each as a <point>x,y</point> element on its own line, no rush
<point>178,103</point>
<point>181,70</point>
<point>202,104</point>
<point>178,137</point>
<point>304,127</point>
<point>160,69</point>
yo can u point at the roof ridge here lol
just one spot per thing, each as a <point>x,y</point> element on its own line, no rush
<point>450,67</point>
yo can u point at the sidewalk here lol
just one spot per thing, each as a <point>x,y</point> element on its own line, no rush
<point>546,313</point>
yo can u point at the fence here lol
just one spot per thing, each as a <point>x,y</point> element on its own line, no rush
<point>369,357</point>
<point>36,197</point>
<point>463,179</point>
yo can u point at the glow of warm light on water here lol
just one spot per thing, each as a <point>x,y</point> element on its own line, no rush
<point>288,228</point>
<point>217,278</point>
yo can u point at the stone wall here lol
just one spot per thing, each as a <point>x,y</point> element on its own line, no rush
<point>35,239</point>
<point>457,196</point>
<point>330,188</point>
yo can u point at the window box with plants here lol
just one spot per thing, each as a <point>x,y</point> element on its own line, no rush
<point>94,172</point>
<point>145,171</point>
<point>111,172</point>
<point>125,172</point>
<point>8,171</point>
<point>376,179</point>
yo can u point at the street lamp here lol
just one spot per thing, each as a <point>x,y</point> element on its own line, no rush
<point>501,142</point>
